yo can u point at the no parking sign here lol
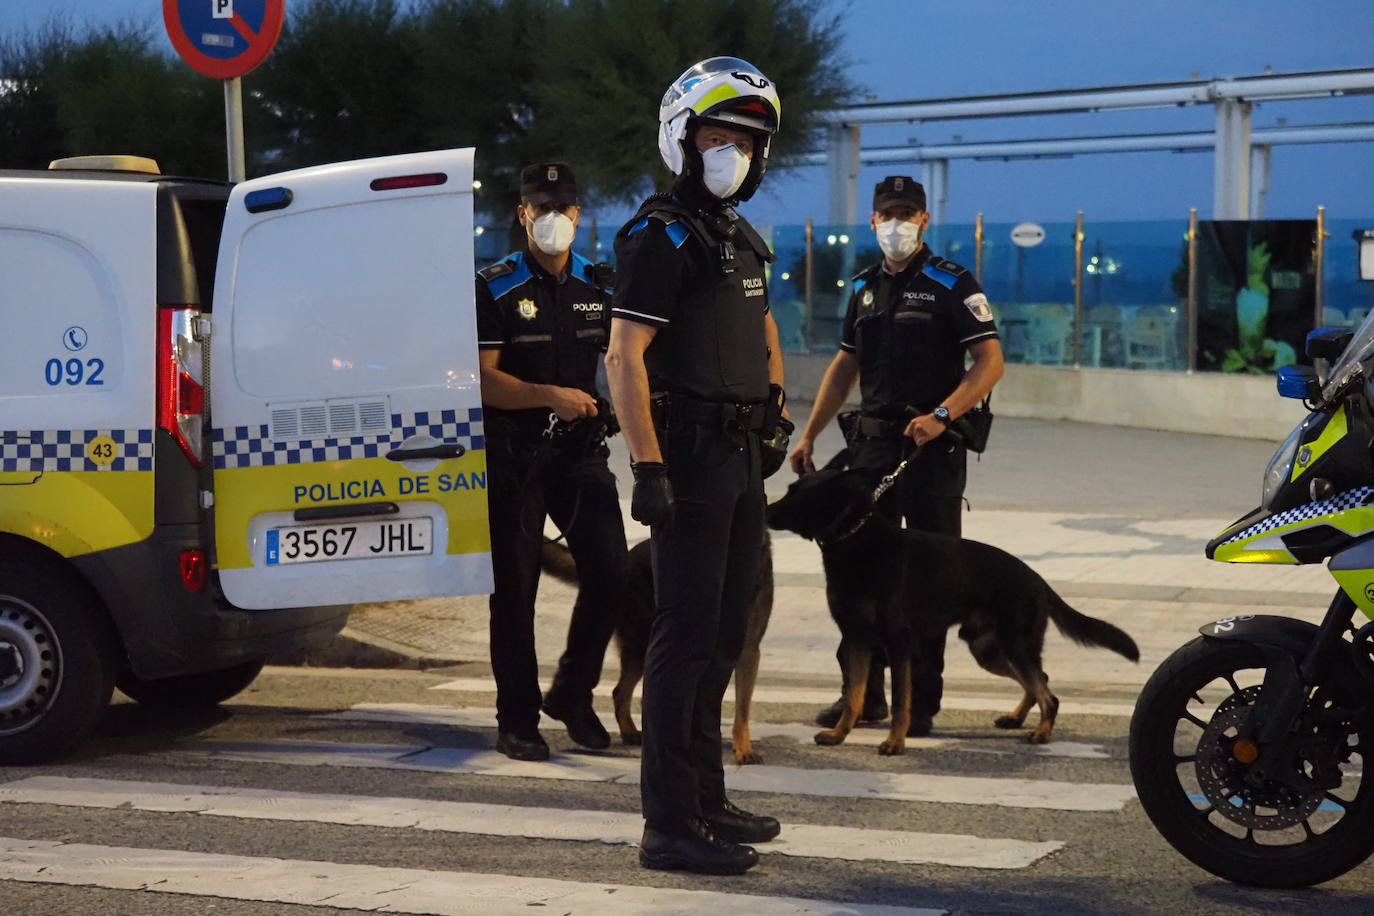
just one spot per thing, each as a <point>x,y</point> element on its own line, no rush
<point>224,38</point>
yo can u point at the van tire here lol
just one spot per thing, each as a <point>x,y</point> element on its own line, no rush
<point>58,671</point>
<point>191,691</point>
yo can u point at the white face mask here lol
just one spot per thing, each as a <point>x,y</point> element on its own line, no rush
<point>724,170</point>
<point>553,233</point>
<point>899,239</point>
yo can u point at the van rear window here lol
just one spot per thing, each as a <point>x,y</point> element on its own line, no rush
<point>343,300</point>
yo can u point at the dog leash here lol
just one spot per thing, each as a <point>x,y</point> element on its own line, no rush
<point>888,481</point>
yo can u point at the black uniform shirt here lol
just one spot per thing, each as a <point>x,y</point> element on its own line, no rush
<point>910,332</point>
<point>550,330</point>
<point>711,343</point>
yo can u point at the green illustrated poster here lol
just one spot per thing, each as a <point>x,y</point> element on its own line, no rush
<point>1256,288</point>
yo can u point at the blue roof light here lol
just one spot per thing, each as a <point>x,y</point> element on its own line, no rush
<point>267,199</point>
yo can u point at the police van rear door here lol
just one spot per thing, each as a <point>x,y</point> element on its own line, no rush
<point>349,461</point>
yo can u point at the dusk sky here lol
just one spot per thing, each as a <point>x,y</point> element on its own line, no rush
<point>902,50</point>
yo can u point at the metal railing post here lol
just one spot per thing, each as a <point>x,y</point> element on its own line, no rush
<point>1078,289</point>
<point>807,325</point>
<point>1320,268</point>
<point>978,248</point>
<point>1192,290</point>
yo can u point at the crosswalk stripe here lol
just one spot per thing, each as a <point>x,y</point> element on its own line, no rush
<point>825,696</point>
<point>915,787</point>
<point>372,887</point>
<point>804,840</point>
<point>474,717</point>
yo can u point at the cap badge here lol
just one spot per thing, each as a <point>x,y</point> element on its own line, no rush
<point>552,174</point>
<point>526,308</point>
<point>898,184</point>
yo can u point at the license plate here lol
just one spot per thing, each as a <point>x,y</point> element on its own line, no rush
<point>351,541</point>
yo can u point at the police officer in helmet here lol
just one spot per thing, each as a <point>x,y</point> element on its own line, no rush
<point>696,376</point>
<point>543,316</point>
<point>912,319</point>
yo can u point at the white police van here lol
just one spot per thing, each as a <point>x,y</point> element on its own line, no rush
<point>226,415</point>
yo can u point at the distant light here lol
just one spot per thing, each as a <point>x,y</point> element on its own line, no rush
<point>786,275</point>
<point>476,185</point>
<point>830,239</point>
<point>844,240</point>
<point>478,231</point>
<point>839,283</point>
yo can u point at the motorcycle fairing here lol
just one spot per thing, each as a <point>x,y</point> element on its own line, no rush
<point>1288,536</point>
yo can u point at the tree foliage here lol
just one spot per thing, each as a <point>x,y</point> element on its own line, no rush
<point>521,80</point>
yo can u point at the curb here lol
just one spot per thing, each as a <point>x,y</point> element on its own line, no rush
<point>355,649</point>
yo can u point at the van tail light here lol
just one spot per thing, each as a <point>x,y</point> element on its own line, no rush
<point>180,393</point>
<point>194,567</point>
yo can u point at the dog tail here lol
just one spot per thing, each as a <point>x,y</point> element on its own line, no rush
<point>1089,631</point>
<point>557,561</point>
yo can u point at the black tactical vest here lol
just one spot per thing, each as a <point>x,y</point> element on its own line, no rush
<point>715,349</point>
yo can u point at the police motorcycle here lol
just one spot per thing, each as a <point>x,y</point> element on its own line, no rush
<point>1250,745</point>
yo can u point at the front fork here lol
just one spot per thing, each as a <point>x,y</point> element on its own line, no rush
<point>1288,681</point>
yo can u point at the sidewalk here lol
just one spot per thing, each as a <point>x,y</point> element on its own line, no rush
<point>1116,519</point>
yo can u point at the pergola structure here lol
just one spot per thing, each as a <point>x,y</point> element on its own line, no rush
<point>1238,149</point>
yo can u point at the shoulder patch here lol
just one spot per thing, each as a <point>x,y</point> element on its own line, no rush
<point>506,275</point>
<point>978,307</point>
<point>945,278</point>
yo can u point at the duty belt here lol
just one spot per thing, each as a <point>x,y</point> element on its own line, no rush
<point>718,414</point>
<point>881,428</point>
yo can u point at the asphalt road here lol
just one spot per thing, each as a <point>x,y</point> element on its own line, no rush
<point>136,788</point>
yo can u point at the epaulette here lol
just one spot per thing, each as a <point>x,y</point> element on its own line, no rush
<point>499,269</point>
<point>945,273</point>
<point>672,225</point>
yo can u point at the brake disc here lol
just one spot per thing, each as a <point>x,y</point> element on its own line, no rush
<point>1222,777</point>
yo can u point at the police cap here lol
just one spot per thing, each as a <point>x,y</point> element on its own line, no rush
<point>898,191</point>
<point>548,182</point>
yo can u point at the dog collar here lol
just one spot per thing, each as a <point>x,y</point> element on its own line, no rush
<point>853,530</point>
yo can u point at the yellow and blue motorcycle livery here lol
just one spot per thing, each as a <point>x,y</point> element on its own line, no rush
<point>1250,745</point>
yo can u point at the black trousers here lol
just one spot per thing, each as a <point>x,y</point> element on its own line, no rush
<point>578,492</point>
<point>929,497</point>
<point>705,566</point>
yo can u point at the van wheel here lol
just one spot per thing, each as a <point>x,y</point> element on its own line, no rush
<point>56,671</point>
<point>191,691</point>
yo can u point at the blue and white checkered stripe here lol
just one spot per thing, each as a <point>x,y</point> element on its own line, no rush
<point>1350,499</point>
<point>65,449</point>
<point>253,446</point>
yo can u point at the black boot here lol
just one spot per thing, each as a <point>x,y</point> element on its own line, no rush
<point>582,724</point>
<point>695,848</point>
<point>529,746</point>
<point>732,823</point>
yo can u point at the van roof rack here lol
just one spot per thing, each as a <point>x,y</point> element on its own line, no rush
<point>108,164</point>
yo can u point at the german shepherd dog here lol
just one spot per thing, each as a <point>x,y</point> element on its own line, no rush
<point>632,637</point>
<point>884,584</point>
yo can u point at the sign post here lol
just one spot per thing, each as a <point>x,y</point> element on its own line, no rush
<point>226,39</point>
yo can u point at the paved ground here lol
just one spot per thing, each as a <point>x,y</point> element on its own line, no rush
<point>1115,518</point>
<point>324,790</point>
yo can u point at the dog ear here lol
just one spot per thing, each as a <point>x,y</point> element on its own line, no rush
<point>868,476</point>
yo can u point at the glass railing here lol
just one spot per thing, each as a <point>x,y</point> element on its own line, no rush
<point>1133,309</point>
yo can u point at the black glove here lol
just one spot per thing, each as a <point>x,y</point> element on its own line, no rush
<point>773,451</point>
<point>652,502</point>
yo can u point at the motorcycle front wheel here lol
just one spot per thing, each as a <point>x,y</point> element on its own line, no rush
<point>1188,773</point>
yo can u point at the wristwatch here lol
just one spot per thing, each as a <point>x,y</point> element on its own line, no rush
<point>942,414</point>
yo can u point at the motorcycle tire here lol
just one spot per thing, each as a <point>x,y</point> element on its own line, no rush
<point>1156,767</point>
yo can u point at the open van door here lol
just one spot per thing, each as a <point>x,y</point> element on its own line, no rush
<point>346,417</point>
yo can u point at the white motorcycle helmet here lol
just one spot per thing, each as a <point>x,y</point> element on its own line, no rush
<point>724,89</point>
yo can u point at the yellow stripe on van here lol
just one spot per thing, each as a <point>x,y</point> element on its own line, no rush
<point>241,494</point>
<point>78,512</point>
